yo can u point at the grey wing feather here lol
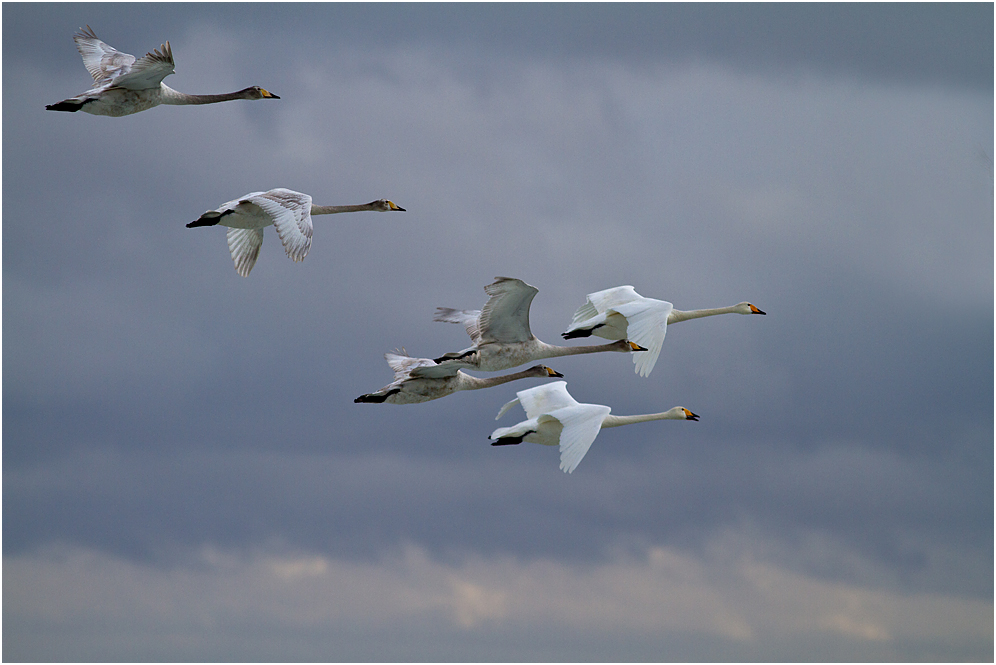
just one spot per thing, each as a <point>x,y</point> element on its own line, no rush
<point>505,317</point>
<point>468,318</point>
<point>102,61</point>
<point>148,71</point>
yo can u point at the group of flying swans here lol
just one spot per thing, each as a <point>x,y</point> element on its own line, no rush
<point>554,418</point>
<point>124,85</point>
<point>419,380</point>
<point>289,211</point>
<point>501,335</point>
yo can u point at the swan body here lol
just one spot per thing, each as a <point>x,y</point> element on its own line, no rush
<point>124,85</point>
<point>622,313</point>
<point>554,418</point>
<point>289,211</point>
<point>501,335</point>
<point>419,380</point>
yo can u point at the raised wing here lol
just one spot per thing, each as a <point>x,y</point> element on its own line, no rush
<point>244,245</point>
<point>148,71</point>
<point>102,61</point>
<point>505,317</point>
<point>291,215</point>
<point>600,301</point>
<point>581,424</point>
<point>545,398</point>
<point>468,318</point>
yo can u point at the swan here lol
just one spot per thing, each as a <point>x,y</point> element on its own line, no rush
<point>557,419</point>
<point>622,313</point>
<point>290,212</point>
<point>419,380</point>
<point>500,331</point>
<point>124,85</point>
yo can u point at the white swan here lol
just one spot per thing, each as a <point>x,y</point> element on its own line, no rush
<point>419,380</point>
<point>500,331</point>
<point>124,85</point>
<point>290,212</point>
<point>557,419</point>
<point>622,313</point>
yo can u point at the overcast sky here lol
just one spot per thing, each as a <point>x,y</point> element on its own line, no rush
<point>186,476</point>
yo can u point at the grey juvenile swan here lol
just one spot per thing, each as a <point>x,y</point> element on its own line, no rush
<point>124,85</point>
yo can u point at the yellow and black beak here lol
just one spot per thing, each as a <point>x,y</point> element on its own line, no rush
<point>636,347</point>
<point>400,209</point>
<point>754,310</point>
<point>690,416</point>
<point>267,94</point>
<point>552,372</point>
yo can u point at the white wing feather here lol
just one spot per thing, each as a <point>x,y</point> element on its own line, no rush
<point>244,245</point>
<point>581,424</point>
<point>468,318</point>
<point>505,317</point>
<point>291,215</point>
<point>102,61</point>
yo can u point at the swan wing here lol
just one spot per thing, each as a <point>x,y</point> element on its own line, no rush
<point>244,245</point>
<point>581,424</point>
<point>646,325</point>
<point>291,215</point>
<point>102,61</point>
<point>433,371</point>
<point>468,318</point>
<point>598,302</point>
<point>545,398</point>
<point>505,317</point>
<point>148,71</point>
<point>402,363</point>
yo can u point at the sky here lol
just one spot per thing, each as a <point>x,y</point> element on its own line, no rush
<point>187,477</point>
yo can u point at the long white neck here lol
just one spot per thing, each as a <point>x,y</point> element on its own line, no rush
<point>171,96</point>
<point>677,413</point>
<point>677,316</point>
<point>331,210</point>
<point>554,351</point>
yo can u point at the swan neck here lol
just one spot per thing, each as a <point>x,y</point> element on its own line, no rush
<point>331,210</point>
<point>676,315</point>
<point>617,421</point>
<point>171,96</point>
<point>475,382</point>
<point>553,351</point>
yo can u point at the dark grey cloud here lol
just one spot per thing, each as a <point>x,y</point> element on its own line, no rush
<point>821,161</point>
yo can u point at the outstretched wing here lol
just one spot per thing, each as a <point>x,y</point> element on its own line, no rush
<point>102,61</point>
<point>291,215</point>
<point>646,324</point>
<point>244,245</point>
<point>468,318</point>
<point>505,317</point>
<point>148,71</point>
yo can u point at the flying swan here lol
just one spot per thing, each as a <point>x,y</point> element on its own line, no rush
<point>290,212</point>
<point>501,334</point>
<point>124,85</point>
<point>419,380</point>
<point>622,313</point>
<point>557,419</point>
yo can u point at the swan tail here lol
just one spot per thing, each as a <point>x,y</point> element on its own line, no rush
<point>580,332</point>
<point>210,218</point>
<point>68,105</point>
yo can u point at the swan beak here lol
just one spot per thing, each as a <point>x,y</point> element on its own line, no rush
<point>754,310</point>
<point>395,207</point>
<point>636,347</point>
<point>552,372</point>
<point>690,416</point>
<point>267,94</point>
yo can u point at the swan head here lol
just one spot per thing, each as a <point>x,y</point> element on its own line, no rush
<point>746,308</point>
<point>256,92</point>
<point>544,371</point>
<point>681,413</point>
<point>626,346</point>
<point>383,205</point>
